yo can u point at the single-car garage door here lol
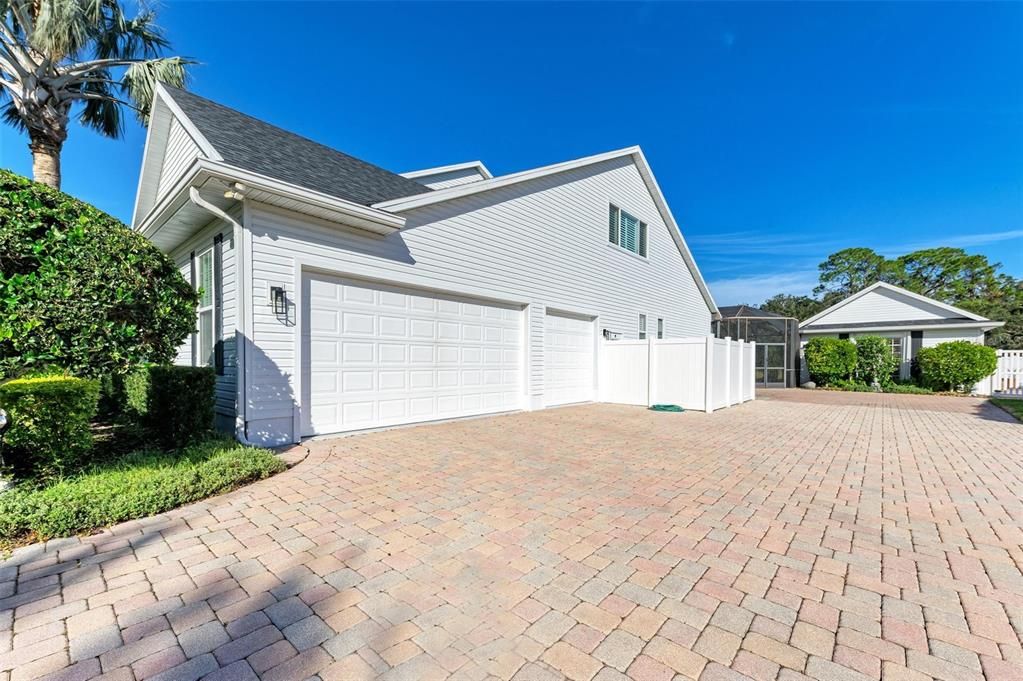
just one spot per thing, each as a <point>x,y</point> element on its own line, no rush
<point>377,355</point>
<point>568,359</point>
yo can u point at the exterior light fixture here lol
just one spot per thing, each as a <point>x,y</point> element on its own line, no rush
<point>278,300</point>
<point>611,335</point>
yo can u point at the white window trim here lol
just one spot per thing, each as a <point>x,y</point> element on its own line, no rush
<point>201,309</point>
<point>617,244</point>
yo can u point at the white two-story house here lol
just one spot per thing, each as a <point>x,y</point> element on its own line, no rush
<point>339,296</point>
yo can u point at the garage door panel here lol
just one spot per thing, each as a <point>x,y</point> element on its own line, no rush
<point>383,355</point>
<point>568,359</point>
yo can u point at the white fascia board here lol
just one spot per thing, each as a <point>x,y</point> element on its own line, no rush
<point>440,195</point>
<point>985,325</point>
<point>897,289</point>
<point>199,139</point>
<point>201,170</point>
<point>156,112</point>
<point>457,192</point>
<point>358,215</point>
<point>427,172</point>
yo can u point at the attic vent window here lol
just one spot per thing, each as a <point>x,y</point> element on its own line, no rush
<point>626,231</point>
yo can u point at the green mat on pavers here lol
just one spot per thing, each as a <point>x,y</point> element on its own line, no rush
<point>666,407</point>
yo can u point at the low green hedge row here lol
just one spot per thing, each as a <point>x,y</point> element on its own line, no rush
<point>951,366</point>
<point>957,365</point>
<point>50,420</point>
<point>50,433</point>
<point>137,485</point>
<point>175,404</point>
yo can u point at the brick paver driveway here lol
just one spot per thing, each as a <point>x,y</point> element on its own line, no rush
<point>827,535</point>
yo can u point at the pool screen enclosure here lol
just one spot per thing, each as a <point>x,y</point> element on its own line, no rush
<point>777,339</point>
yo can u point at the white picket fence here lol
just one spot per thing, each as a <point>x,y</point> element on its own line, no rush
<point>1007,381</point>
<point>701,373</point>
<point>1008,377</point>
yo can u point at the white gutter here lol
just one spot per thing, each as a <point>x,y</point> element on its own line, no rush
<point>983,325</point>
<point>201,170</point>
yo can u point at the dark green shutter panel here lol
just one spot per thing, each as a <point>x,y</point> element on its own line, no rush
<point>642,239</point>
<point>218,304</point>
<point>612,225</point>
<point>916,341</point>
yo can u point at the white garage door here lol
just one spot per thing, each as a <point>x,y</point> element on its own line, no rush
<point>568,359</point>
<point>377,355</point>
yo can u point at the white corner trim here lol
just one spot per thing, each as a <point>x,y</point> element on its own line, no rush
<point>187,124</point>
<point>895,289</point>
<point>440,195</point>
<point>427,172</point>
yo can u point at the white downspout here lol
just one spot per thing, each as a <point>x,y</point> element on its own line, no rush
<point>244,293</point>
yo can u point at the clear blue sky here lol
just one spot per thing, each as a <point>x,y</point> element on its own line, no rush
<point>778,132</point>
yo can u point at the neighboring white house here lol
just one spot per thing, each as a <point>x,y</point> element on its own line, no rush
<point>908,320</point>
<point>339,296</point>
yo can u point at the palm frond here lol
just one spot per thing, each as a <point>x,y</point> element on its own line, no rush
<point>140,81</point>
<point>63,27</point>
<point>102,113</point>
<point>12,117</point>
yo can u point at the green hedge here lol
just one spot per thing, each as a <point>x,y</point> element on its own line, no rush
<point>830,359</point>
<point>50,424</point>
<point>875,363</point>
<point>175,404</point>
<point>80,290</point>
<point>956,365</point>
<point>137,485</point>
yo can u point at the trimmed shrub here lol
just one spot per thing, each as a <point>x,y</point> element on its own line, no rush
<point>50,432</point>
<point>830,359</point>
<point>80,290</point>
<point>956,365</point>
<point>134,486</point>
<point>875,363</point>
<point>173,403</point>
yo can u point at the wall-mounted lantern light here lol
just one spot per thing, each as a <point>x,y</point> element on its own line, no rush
<point>278,300</point>
<point>611,335</point>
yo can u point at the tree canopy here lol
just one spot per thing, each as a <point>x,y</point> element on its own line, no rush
<point>951,275</point>
<point>87,58</point>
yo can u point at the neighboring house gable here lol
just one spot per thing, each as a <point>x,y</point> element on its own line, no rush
<point>884,303</point>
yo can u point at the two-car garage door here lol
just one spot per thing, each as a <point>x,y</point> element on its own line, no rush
<point>377,355</point>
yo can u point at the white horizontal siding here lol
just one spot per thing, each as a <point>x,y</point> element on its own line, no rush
<point>226,388</point>
<point>451,178</point>
<point>543,242</point>
<point>881,305</point>
<point>178,154</point>
<point>936,336</point>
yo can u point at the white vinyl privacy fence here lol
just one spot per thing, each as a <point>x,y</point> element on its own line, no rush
<point>702,373</point>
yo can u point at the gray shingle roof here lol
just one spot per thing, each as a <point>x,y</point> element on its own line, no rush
<point>259,147</point>
<point>730,311</point>
<point>907,322</point>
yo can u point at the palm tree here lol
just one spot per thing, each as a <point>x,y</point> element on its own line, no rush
<point>81,57</point>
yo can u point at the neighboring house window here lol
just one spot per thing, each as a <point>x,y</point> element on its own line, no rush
<point>205,286</point>
<point>896,346</point>
<point>660,328</point>
<point>642,327</point>
<point>626,231</point>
